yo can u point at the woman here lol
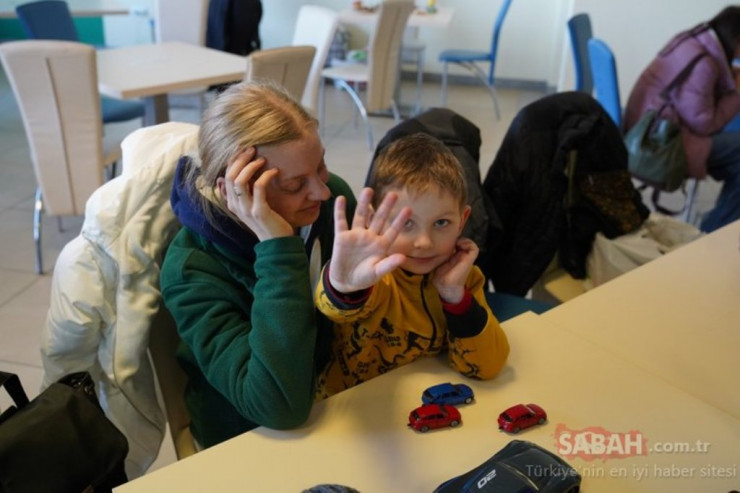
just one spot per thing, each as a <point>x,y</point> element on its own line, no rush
<point>256,208</point>
<point>703,103</point>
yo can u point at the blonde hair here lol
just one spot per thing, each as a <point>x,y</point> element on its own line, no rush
<point>417,163</point>
<point>248,114</point>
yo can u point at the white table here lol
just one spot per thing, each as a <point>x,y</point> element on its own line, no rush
<point>78,8</point>
<point>151,71</point>
<point>418,18</point>
<point>678,317</point>
<point>359,437</point>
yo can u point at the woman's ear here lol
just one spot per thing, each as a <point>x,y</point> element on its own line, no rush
<point>221,185</point>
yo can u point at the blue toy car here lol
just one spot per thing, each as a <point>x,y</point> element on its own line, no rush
<point>448,393</point>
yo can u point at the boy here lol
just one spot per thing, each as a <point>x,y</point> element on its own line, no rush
<point>403,288</point>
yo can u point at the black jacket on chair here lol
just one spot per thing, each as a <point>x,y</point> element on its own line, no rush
<point>233,26</point>
<point>463,138</point>
<point>527,185</point>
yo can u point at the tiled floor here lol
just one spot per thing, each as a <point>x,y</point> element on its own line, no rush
<point>24,295</point>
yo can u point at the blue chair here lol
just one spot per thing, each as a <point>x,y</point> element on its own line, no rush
<point>505,306</point>
<point>469,59</point>
<point>579,29</point>
<point>51,19</point>
<point>604,74</point>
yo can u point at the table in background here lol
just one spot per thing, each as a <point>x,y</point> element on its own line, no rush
<point>360,437</point>
<point>151,71</point>
<point>79,8</point>
<point>678,317</point>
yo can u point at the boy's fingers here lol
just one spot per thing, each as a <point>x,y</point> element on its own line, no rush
<point>379,219</point>
<point>398,222</point>
<point>363,209</point>
<point>340,215</point>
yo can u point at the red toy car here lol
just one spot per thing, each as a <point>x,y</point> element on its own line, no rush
<point>519,417</point>
<point>431,416</point>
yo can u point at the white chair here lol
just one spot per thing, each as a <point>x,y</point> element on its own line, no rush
<point>412,53</point>
<point>380,73</point>
<point>289,66</point>
<point>56,87</point>
<point>315,26</point>
<point>184,21</point>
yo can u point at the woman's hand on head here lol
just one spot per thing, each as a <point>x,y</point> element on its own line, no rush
<point>361,253</point>
<point>244,187</point>
<point>449,278</point>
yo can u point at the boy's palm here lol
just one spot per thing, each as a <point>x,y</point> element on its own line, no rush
<point>361,254</point>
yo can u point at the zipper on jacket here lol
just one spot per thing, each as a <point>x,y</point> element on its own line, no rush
<point>423,285</point>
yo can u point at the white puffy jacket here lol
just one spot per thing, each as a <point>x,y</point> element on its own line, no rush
<point>105,288</point>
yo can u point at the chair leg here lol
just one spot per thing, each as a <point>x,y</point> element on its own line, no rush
<point>483,77</point>
<point>38,208</point>
<point>396,111</point>
<point>322,102</point>
<point>419,81</point>
<point>361,108</point>
<point>690,196</point>
<point>444,84</point>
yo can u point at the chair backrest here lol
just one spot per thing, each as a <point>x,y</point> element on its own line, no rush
<point>315,26</point>
<point>497,25</point>
<point>579,29</point>
<point>181,20</point>
<point>384,54</point>
<point>163,343</point>
<point>604,74</point>
<point>47,19</point>
<point>288,66</point>
<point>56,88</point>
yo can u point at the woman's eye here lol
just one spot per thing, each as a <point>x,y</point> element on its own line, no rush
<point>408,225</point>
<point>441,223</point>
<point>294,187</point>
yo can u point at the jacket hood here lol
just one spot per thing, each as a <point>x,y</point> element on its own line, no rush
<point>222,230</point>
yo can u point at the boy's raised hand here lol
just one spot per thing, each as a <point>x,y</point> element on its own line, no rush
<point>449,278</point>
<point>360,256</point>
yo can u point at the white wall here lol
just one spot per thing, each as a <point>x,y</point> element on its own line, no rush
<point>534,45</point>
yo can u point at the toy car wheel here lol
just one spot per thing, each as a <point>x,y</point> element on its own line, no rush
<point>541,421</point>
<point>454,423</point>
<point>516,430</point>
<point>468,400</point>
<point>424,429</point>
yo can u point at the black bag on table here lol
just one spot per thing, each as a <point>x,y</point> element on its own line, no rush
<point>61,441</point>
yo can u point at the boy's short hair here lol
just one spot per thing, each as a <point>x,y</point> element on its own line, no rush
<point>418,162</point>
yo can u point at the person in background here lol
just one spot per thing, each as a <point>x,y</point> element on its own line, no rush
<point>401,283</point>
<point>704,105</point>
<point>256,211</point>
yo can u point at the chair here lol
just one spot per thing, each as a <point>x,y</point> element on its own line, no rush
<point>56,88</point>
<point>606,84</point>
<point>604,74</point>
<point>380,74</point>
<point>184,21</point>
<point>412,53</point>
<point>51,19</point>
<point>106,314</point>
<point>163,343</point>
<point>289,66</point>
<point>315,26</point>
<point>579,29</point>
<point>469,59</point>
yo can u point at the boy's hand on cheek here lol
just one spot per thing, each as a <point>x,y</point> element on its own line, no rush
<point>449,278</point>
